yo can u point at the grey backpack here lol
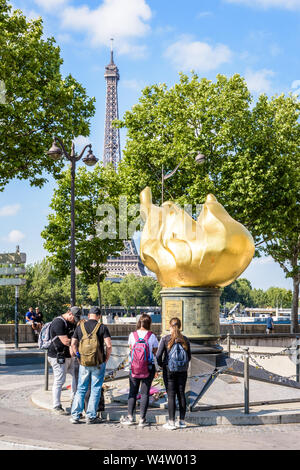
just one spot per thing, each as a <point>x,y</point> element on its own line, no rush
<point>45,340</point>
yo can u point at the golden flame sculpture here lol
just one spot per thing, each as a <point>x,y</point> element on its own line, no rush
<point>210,252</point>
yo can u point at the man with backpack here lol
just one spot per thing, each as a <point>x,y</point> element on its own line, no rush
<point>143,346</point>
<point>91,344</point>
<point>59,355</point>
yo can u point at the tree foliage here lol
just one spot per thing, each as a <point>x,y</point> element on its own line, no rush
<point>240,291</point>
<point>132,291</point>
<point>43,289</point>
<point>38,100</point>
<point>251,153</point>
<point>93,188</point>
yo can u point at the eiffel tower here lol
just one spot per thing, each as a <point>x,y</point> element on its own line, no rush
<point>128,262</point>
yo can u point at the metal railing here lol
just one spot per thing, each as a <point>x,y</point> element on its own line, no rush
<point>247,356</point>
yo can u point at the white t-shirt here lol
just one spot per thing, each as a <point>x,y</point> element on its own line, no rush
<point>152,341</point>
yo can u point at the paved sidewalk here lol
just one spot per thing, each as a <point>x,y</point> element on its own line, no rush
<point>219,394</point>
<point>259,415</point>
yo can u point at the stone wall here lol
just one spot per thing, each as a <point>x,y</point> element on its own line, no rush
<point>7,334</point>
<point>251,333</point>
<point>26,335</point>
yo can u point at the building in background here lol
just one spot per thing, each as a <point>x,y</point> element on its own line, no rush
<point>112,150</point>
<point>129,261</point>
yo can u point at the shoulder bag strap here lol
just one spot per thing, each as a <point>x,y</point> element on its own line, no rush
<point>95,330</point>
<point>83,330</point>
<point>146,338</point>
<point>136,336</point>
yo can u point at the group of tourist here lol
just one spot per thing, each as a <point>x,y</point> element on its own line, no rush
<point>83,347</point>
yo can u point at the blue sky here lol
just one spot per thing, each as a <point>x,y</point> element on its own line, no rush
<point>154,40</point>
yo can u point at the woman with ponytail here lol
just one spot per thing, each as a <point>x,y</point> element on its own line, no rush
<point>173,356</point>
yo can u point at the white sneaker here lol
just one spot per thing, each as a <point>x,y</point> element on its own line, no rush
<point>128,421</point>
<point>142,423</point>
<point>170,425</point>
<point>180,424</point>
<point>74,421</point>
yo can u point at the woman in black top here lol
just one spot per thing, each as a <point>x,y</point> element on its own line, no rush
<point>175,382</point>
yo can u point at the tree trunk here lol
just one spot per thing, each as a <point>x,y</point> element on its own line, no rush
<point>295,306</point>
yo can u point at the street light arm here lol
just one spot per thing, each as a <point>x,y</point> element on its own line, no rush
<point>169,175</point>
<point>82,152</point>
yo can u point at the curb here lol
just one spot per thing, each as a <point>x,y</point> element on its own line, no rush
<point>201,418</point>
<point>29,444</point>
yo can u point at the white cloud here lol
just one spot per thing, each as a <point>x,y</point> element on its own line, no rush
<point>203,14</point>
<point>9,210</point>
<point>122,20</point>
<point>64,38</point>
<point>296,88</point>
<point>81,141</point>
<point>296,84</point>
<point>186,54</point>
<point>258,82</point>
<point>133,84</point>
<point>50,5</point>
<point>275,50</point>
<point>285,4</point>
<point>15,236</point>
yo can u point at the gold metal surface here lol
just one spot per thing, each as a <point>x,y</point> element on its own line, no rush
<point>210,252</point>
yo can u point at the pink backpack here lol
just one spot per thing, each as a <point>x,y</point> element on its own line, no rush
<point>140,356</point>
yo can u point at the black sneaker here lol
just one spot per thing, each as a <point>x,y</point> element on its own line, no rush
<point>93,421</point>
<point>59,410</point>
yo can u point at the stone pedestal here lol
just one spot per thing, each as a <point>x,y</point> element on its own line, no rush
<point>198,309</point>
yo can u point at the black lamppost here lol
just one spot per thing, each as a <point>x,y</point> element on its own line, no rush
<point>56,152</point>
<point>200,158</point>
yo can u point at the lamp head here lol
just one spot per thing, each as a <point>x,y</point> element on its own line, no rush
<point>55,152</point>
<point>90,159</point>
<point>200,158</point>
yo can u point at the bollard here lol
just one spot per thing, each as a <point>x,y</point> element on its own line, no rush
<point>46,371</point>
<point>228,344</point>
<point>297,360</point>
<point>246,381</point>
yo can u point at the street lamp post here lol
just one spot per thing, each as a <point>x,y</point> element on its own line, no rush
<point>56,152</point>
<point>200,158</point>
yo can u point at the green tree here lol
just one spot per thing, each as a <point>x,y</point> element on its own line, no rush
<point>110,293</point>
<point>259,298</point>
<point>278,297</point>
<point>43,289</point>
<point>137,291</point>
<point>38,100</point>
<point>238,292</point>
<point>251,149</point>
<point>93,188</point>
<point>7,307</point>
<point>285,249</point>
<point>156,294</point>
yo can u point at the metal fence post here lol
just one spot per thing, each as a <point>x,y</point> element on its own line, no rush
<point>46,371</point>
<point>246,381</point>
<point>228,344</point>
<point>297,359</point>
<point>16,317</point>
